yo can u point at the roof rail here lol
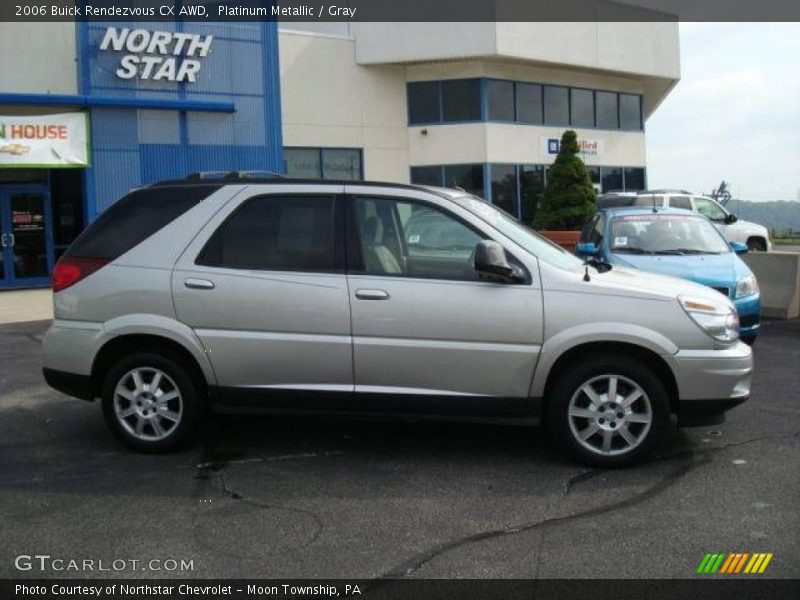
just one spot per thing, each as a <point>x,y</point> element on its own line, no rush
<point>233,175</point>
<point>667,191</point>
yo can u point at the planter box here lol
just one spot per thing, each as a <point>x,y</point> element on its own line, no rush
<point>565,239</point>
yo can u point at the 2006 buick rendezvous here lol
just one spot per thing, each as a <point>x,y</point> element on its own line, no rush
<point>276,295</point>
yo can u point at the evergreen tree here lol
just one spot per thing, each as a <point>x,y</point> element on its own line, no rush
<point>569,198</point>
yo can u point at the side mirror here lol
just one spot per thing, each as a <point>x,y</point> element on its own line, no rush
<point>587,249</point>
<point>739,247</point>
<point>730,218</point>
<point>491,263</point>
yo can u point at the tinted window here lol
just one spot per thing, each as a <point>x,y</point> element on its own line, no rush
<point>461,100</point>
<point>405,238</point>
<point>303,163</point>
<point>341,163</point>
<point>531,187</point>
<point>529,103</point>
<point>467,177</point>
<point>556,105</point>
<point>500,97</point>
<point>634,179</point>
<point>607,116</point>
<point>423,102</point>
<point>275,233</point>
<point>611,179</point>
<point>630,111</point>
<point>504,187</point>
<point>680,202</point>
<point>135,218</point>
<point>582,108</point>
<point>427,176</point>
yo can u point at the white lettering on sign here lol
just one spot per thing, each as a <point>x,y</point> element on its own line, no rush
<point>157,55</point>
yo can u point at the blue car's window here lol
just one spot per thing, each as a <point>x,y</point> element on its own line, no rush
<point>665,234</point>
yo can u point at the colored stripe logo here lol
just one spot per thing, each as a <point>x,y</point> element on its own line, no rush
<point>734,563</point>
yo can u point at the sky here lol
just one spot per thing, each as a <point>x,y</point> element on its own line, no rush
<point>734,115</point>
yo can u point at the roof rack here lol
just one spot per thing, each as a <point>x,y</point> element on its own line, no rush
<point>233,175</point>
<point>666,191</point>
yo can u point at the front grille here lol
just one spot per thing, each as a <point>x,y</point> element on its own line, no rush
<point>749,320</point>
<point>722,290</point>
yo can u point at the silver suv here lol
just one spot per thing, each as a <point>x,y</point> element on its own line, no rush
<point>275,295</point>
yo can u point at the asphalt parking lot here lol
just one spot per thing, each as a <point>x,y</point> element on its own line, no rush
<point>281,498</point>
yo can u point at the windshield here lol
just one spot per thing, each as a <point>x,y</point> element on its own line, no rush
<point>524,236</point>
<point>665,234</point>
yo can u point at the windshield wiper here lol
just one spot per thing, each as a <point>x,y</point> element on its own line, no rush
<point>683,251</point>
<point>631,250</point>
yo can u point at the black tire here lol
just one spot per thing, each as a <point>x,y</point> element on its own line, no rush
<point>630,370</point>
<point>756,245</point>
<point>180,377</point>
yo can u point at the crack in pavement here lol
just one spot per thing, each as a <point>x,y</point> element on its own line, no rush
<point>691,459</point>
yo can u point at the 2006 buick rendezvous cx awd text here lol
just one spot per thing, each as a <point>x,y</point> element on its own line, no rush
<point>356,298</point>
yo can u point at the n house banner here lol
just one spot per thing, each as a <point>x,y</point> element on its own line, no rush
<point>45,141</point>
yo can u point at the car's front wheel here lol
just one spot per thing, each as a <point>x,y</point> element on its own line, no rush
<point>608,411</point>
<point>150,401</point>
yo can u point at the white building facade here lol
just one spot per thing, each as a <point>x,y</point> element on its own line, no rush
<point>480,106</point>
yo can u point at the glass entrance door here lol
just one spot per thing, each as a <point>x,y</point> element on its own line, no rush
<point>24,237</point>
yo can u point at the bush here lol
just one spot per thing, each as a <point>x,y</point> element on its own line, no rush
<point>569,198</point>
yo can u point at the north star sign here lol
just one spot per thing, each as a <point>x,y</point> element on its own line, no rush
<point>157,55</point>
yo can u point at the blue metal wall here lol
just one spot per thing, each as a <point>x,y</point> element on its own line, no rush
<point>131,147</point>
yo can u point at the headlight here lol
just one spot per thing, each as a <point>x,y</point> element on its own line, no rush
<point>746,287</point>
<point>718,320</point>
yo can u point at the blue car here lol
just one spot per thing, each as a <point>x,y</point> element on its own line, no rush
<point>679,243</point>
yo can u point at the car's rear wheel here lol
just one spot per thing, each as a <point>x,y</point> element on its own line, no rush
<point>150,401</point>
<point>609,411</point>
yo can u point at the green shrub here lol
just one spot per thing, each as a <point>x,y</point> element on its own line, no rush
<point>569,198</point>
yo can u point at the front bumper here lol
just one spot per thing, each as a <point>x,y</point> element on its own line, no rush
<point>749,310</point>
<point>712,381</point>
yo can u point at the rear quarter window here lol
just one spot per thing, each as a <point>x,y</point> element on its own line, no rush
<point>135,217</point>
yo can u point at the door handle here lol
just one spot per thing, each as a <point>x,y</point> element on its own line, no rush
<point>372,294</point>
<point>198,284</point>
<point>13,240</point>
<point>3,241</point>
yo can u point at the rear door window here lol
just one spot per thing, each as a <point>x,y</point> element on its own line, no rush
<point>136,217</point>
<point>276,233</point>
<point>680,202</point>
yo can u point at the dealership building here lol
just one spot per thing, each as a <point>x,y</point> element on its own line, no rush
<point>91,110</point>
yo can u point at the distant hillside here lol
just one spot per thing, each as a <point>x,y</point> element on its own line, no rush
<point>778,215</point>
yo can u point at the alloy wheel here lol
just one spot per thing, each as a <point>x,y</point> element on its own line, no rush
<point>148,404</point>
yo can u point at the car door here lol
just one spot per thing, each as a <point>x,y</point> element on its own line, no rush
<point>264,288</point>
<point>428,335</point>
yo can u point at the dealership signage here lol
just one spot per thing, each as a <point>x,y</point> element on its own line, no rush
<point>45,141</point>
<point>157,55</point>
<point>586,147</point>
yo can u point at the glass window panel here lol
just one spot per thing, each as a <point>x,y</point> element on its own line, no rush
<point>529,103</point>
<point>504,187</point>
<point>302,163</point>
<point>467,177</point>
<point>582,108</point>
<point>680,202</point>
<point>461,100</point>
<point>427,176</point>
<point>556,105</point>
<point>407,238</point>
<point>630,111</point>
<point>607,115</point>
<point>611,178</point>
<point>423,102</point>
<point>500,98</point>
<point>275,233</point>
<point>341,163</point>
<point>634,179</point>
<point>531,185</point>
